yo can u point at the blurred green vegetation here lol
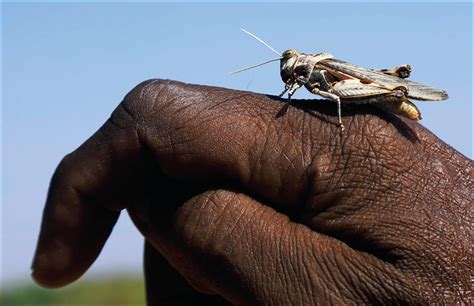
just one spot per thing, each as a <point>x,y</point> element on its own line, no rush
<point>117,291</point>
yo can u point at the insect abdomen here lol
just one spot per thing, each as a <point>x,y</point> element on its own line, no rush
<point>404,108</point>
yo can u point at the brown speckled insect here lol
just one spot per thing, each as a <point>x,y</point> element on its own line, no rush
<point>343,82</point>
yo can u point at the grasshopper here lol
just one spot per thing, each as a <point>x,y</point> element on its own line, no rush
<point>343,82</point>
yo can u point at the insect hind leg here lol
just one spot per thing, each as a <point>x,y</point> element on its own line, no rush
<point>396,102</point>
<point>401,71</point>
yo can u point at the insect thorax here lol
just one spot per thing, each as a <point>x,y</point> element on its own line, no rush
<point>302,66</point>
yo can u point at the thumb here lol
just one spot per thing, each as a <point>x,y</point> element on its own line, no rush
<point>229,244</point>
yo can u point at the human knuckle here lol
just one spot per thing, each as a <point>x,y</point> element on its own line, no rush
<point>62,174</point>
<point>202,218</point>
<point>151,98</point>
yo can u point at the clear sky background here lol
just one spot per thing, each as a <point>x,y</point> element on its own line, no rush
<point>67,66</point>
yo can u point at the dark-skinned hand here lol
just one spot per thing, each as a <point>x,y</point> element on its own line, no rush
<point>258,210</point>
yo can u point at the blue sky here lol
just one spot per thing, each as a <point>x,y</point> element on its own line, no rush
<point>67,66</point>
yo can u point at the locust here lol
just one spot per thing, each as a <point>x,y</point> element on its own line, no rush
<point>346,83</point>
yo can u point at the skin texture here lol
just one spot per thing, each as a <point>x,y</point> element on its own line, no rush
<point>258,210</point>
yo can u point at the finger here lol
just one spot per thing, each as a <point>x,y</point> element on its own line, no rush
<point>228,244</point>
<point>85,196</point>
<point>72,235</point>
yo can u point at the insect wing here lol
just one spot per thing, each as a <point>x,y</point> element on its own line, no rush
<point>416,90</point>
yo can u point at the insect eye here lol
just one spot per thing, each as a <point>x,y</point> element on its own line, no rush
<point>288,53</point>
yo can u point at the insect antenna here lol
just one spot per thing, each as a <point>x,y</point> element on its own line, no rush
<point>251,67</point>
<point>260,40</point>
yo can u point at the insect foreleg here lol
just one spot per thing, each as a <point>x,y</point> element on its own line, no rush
<point>333,97</point>
<point>287,86</point>
<point>291,88</point>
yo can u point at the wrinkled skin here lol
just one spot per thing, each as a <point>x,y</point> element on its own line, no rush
<point>254,209</point>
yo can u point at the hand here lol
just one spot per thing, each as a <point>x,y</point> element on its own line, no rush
<point>265,210</point>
